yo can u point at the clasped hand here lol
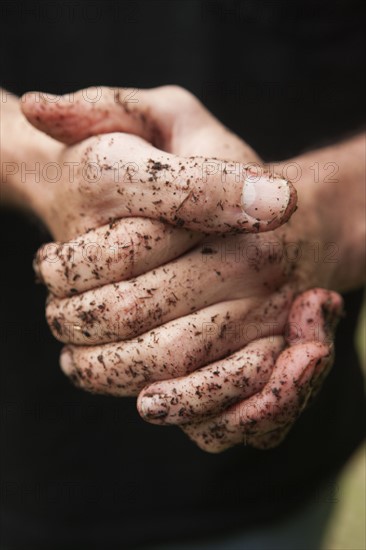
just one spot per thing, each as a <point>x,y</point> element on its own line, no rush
<point>171,278</point>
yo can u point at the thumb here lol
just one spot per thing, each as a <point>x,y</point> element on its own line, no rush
<point>240,198</point>
<point>71,118</point>
<point>288,392</point>
<point>169,117</point>
<point>312,321</point>
<point>198,193</point>
<point>314,316</point>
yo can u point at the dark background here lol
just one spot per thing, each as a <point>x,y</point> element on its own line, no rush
<point>84,470</point>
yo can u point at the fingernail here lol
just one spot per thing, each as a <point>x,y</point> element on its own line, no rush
<point>155,406</point>
<point>265,196</point>
<point>322,367</point>
<point>312,373</point>
<point>307,374</point>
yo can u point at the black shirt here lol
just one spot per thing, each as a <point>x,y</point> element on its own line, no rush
<point>80,470</point>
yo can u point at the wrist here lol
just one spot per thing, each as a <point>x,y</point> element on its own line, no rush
<point>330,216</point>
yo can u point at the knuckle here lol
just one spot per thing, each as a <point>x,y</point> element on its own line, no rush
<point>180,95</point>
<point>109,314</point>
<point>75,372</point>
<point>130,243</point>
<point>212,447</point>
<point>47,266</point>
<point>56,321</point>
<point>133,316</point>
<point>84,371</point>
<point>205,439</point>
<point>90,172</point>
<point>178,91</point>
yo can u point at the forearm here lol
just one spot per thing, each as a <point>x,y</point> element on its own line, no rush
<point>331,192</point>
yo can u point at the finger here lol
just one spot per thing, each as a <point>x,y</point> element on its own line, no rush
<point>121,250</point>
<point>270,439</point>
<point>127,309</point>
<point>201,338</point>
<point>210,390</point>
<point>314,316</point>
<point>74,117</point>
<point>276,406</point>
<point>204,194</point>
<point>169,117</point>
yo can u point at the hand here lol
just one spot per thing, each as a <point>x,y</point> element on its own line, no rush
<point>306,356</point>
<point>120,175</point>
<point>278,386</point>
<point>230,306</point>
<point>75,275</point>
